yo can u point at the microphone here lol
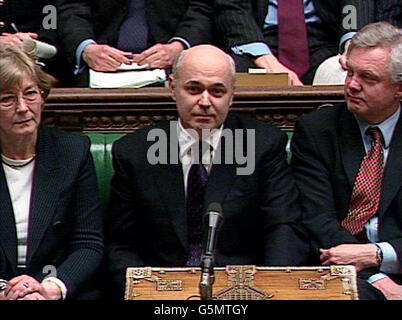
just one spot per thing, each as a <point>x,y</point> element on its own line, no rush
<point>38,49</point>
<point>214,219</point>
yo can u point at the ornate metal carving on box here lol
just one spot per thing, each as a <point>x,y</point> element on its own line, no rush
<point>241,285</point>
<point>246,282</point>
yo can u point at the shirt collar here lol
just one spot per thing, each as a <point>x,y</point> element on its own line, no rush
<point>386,127</point>
<point>187,139</point>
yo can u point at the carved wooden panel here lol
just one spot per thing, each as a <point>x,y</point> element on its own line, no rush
<point>125,110</point>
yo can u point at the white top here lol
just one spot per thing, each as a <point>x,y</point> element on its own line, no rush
<point>19,181</point>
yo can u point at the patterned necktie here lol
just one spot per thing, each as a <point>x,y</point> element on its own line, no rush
<point>293,50</point>
<point>196,184</point>
<point>133,34</point>
<point>366,193</point>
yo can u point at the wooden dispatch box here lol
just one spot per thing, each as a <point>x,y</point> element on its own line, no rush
<point>244,283</point>
<point>262,80</point>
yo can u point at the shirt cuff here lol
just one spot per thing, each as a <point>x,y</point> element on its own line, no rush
<point>344,39</point>
<point>81,65</point>
<point>254,49</point>
<point>182,40</point>
<point>376,277</point>
<point>60,284</point>
<point>390,262</point>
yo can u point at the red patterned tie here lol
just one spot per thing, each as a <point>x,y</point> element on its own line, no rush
<point>367,189</point>
<point>293,48</point>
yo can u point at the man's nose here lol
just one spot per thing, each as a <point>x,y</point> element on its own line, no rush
<point>352,83</point>
<point>205,101</point>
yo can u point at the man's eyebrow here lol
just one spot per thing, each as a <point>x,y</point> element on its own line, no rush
<point>194,82</point>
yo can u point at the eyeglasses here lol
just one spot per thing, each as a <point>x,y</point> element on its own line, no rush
<point>8,100</point>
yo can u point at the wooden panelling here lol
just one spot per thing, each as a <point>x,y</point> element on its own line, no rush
<point>125,110</point>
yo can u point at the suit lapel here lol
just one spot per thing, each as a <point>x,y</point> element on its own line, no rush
<point>351,145</point>
<point>393,169</point>
<point>8,233</point>
<point>222,176</point>
<point>45,191</point>
<point>169,182</point>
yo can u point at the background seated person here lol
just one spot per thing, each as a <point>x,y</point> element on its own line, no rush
<point>291,36</point>
<point>25,19</point>
<point>104,34</point>
<point>390,11</point>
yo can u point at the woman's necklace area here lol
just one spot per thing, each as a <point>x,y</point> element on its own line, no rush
<point>17,163</point>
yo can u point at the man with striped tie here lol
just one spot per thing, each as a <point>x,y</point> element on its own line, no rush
<point>347,163</point>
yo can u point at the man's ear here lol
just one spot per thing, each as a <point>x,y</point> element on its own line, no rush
<point>171,81</point>
<point>399,92</point>
<point>232,97</point>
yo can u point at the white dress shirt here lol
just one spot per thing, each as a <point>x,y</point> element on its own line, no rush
<point>187,140</point>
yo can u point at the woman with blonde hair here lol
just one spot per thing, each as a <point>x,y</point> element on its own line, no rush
<point>50,219</point>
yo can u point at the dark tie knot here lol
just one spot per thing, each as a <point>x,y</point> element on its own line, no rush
<point>375,134</point>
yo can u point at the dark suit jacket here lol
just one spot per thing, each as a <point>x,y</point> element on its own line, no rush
<point>147,225</point>
<point>100,20</point>
<point>242,21</point>
<point>28,17</point>
<point>390,11</point>
<point>327,150</point>
<point>65,220</point>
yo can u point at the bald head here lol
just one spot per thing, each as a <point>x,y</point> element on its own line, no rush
<point>205,57</point>
<point>202,84</point>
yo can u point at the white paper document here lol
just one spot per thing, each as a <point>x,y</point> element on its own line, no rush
<point>125,79</point>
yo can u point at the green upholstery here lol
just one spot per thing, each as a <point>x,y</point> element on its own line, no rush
<point>101,151</point>
<point>101,147</point>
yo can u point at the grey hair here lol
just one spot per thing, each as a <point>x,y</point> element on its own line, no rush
<point>383,35</point>
<point>178,61</point>
<point>15,65</point>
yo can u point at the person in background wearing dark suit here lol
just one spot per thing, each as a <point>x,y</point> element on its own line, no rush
<point>347,161</point>
<point>106,33</point>
<point>156,207</point>
<point>254,33</point>
<point>390,11</point>
<point>51,238</point>
<point>37,20</point>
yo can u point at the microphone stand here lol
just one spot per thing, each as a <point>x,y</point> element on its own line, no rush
<point>207,277</point>
<point>214,217</point>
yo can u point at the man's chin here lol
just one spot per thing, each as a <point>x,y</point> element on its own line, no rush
<point>354,104</point>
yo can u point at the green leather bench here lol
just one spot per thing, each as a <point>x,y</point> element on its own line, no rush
<point>101,151</point>
<point>101,147</point>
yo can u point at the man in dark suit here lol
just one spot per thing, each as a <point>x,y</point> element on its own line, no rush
<point>99,33</point>
<point>390,11</point>
<point>256,22</point>
<point>25,19</point>
<point>329,147</point>
<point>149,224</point>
